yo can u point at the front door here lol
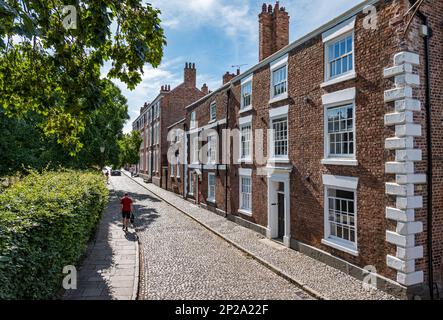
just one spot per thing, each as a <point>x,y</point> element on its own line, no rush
<point>281,215</point>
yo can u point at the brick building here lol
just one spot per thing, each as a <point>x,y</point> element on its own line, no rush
<point>155,118</point>
<point>334,156</point>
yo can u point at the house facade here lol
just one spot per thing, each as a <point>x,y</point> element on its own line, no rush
<point>154,120</point>
<point>335,143</point>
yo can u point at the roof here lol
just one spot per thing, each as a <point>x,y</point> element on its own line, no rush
<point>178,122</point>
<point>332,23</point>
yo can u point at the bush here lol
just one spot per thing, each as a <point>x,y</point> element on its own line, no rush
<point>46,221</point>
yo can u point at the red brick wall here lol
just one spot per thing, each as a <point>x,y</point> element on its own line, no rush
<point>374,50</point>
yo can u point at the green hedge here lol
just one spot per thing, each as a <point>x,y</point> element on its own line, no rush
<point>46,221</point>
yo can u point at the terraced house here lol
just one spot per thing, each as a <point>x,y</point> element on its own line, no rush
<point>155,118</point>
<point>339,143</point>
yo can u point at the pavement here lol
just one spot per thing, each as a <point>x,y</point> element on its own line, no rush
<point>186,248</point>
<point>111,266</point>
<point>182,260</point>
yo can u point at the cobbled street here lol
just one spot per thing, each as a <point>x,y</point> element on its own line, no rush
<point>180,259</point>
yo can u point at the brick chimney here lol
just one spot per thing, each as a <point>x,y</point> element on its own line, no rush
<point>274,30</point>
<point>205,89</point>
<point>228,77</point>
<point>190,75</point>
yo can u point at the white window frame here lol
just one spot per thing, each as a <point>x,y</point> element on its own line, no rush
<point>191,184</point>
<point>243,123</point>
<point>246,82</point>
<point>212,148</point>
<point>177,175</point>
<point>211,195</point>
<point>333,100</point>
<point>213,111</point>
<point>331,36</point>
<point>195,150</point>
<point>245,174</point>
<point>193,122</point>
<point>276,65</point>
<point>277,114</point>
<point>346,184</point>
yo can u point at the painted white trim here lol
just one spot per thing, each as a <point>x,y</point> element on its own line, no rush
<point>210,125</point>
<point>248,108</point>
<point>339,30</point>
<point>278,112</point>
<point>339,97</point>
<point>245,172</point>
<point>245,212</point>
<point>350,183</point>
<point>247,79</point>
<point>272,229</point>
<point>340,162</point>
<point>279,62</point>
<point>278,98</point>
<point>345,77</point>
<point>340,246</point>
<point>245,120</point>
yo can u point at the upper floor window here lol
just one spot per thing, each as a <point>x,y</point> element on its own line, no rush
<point>213,111</point>
<point>340,131</point>
<point>245,141</point>
<point>279,81</point>
<point>212,149</point>
<point>340,56</point>
<point>193,123</point>
<point>246,94</point>
<point>195,150</point>
<point>280,137</point>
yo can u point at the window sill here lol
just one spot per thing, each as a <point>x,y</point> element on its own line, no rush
<point>348,248</point>
<point>279,98</point>
<point>211,201</point>
<point>279,160</point>
<point>212,121</point>
<point>246,109</point>
<point>345,77</point>
<point>245,161</point>
<point>244,212</point>
<point>340,162</point>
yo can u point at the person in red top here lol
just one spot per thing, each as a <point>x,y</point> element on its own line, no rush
<point>126,203</point>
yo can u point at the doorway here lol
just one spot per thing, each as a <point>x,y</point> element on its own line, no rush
<point>279,208</point>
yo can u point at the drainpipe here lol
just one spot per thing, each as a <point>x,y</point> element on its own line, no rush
<point>428,109</point>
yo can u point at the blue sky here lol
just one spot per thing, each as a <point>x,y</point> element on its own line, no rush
<point>216,34</point>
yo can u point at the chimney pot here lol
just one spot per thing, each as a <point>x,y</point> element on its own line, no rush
<point>274,30</point>
<point>190,75</point>
<point>205,89</point>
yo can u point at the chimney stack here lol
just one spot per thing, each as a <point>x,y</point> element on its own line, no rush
<point>274,30</point>
<point>228,77</point>
<point>205,89</point>
<point>190,75</point>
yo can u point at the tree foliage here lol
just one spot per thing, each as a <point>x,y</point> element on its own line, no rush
<point>53,70</point>
<point>24,144</point>
<point>130,148</point>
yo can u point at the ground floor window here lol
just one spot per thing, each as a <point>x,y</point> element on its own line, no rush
<point>211,187</point>
<point>341,211</point>
<point>191,184</point>
<point>245,194</point>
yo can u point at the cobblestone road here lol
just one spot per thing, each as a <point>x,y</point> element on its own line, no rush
<point>180,259</point>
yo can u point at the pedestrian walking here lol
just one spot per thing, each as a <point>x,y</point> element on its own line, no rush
<point>107,176</point>
<point>126,203</point>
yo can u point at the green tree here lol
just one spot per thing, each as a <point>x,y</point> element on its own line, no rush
<point>51,69</point>
<point>130,148</point>
<point>24,145</point>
